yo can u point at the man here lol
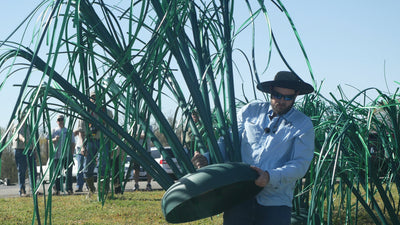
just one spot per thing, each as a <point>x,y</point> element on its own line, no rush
<point>23,160</point>
<point>189,137</point>
<point>80,134</point>
<point>278,142</point>
<point>92,146</point>
<point>64,145</point>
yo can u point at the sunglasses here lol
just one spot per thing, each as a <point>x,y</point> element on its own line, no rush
<point>277,95</point>
<point>60,120</point>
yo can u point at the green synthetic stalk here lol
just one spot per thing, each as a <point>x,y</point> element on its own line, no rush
<point>203,69</point>
<point>31,171</point>
<point>299,42</point>
<point>188,73</point>
<point>147,162</point>
<point>264,10</point>
<point>392,214</point>
<point>49,170</point>
<point>223,126</point>
<point>367,155</point>
<point>200,54</point>
<point>24,84</point>
<point>348,207</point>
<point>174,87</point>
<point>346,117</point>
<point>114,89</point>
<point>332,183</point>
<point>227,23</point>
<point>360,198</point>
<point>128,70</point>
<point>72,90</point>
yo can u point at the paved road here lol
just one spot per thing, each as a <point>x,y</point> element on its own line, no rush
<point>11,190</point>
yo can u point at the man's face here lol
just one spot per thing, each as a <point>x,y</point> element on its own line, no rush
<point>282,100</point>
<point>195,117</point>
<point>93,98</point>
<point>60,122</point>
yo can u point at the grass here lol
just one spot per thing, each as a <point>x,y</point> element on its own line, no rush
<point>129,208</point>
<point>357,214</point>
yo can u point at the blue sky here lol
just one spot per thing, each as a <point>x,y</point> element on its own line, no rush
<point>353,44</point>
<point>347,43</point>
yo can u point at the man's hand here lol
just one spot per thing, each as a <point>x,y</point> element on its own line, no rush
<point>21,138</point>
<point>199,160</point>
<point>83,151</point>
<point>263,179</point>
<point>56,138</point>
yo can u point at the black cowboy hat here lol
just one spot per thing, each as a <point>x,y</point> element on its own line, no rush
<point>286,79</point>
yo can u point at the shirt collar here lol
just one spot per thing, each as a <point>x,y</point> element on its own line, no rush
<point>270,111</point>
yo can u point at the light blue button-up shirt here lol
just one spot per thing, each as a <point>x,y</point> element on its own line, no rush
<point>285,149</point>
<point>59,145</point>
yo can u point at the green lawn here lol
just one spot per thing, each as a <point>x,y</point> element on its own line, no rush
<point>129,208</point>
<point>139,208</point>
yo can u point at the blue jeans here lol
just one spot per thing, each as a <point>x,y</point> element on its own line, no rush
<point>23,162</point>
<point>66,164</point>
<point>93,147</point>
<point>79,176</point>
<point>250,212</point>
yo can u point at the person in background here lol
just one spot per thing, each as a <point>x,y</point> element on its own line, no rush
<point>118,172</point>
<point>23,160</point>
<point>136,165</point>
<point>64,145</point>
<point>190,140</point>
<point>80,157</point>
<point>278,142</point>
<point>92,147</point>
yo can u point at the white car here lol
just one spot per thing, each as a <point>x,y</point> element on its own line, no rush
<point>46,172</point>
<point>162,162</point>
<point>142,173</point>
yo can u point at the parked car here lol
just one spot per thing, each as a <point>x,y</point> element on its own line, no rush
<point>46,172</point>
<point>162,162</point>
<point>142,173</point>
<point>158,158</point>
